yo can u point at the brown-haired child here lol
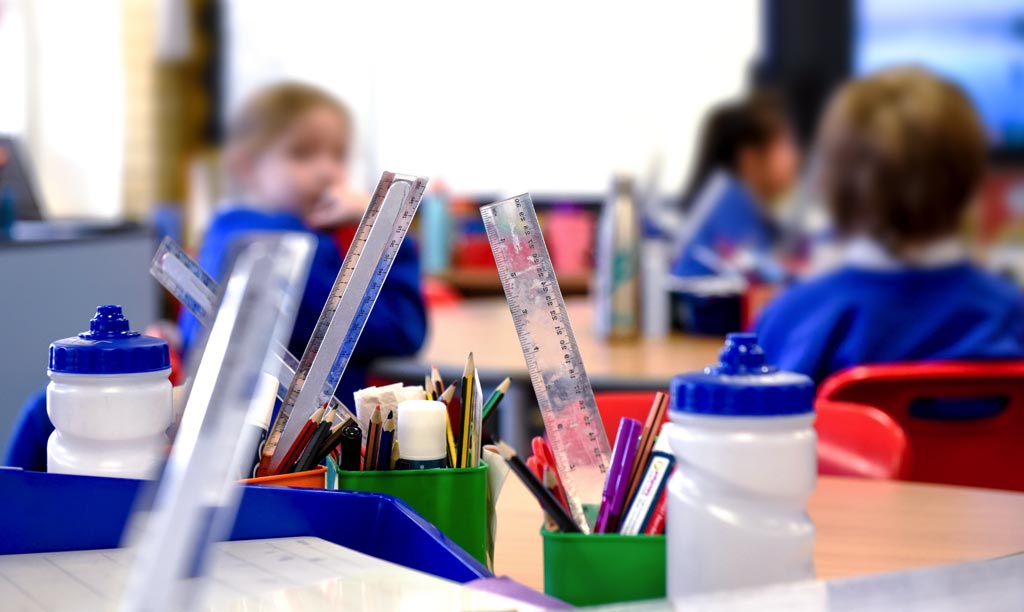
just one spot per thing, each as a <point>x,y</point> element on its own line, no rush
<point>902,152</point>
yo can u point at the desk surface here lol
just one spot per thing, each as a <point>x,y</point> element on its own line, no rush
<point>485,327</point>
<point>864,527</point>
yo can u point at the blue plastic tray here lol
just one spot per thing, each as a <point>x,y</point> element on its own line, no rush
<point>42,512</point>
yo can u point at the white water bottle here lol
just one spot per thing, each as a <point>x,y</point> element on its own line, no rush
<point>109,400</point>
<point>746,465</point>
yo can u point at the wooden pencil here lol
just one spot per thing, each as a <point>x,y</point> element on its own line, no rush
<point>643,452</point>
<point>302,439</point>
<point>309,454</point>
<point>467,406</point>
<point>496,397</point>
<point>372,440</point>
<point>386,444</point>
<point>450,447</point>
<point>428,387</point>
<point>448,394</point>
<point>438,383</point>
<point>333,438</point>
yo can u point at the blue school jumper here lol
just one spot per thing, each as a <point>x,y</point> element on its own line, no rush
<point>861,314</point>
<point>397,326</point>
<point>724,216</point>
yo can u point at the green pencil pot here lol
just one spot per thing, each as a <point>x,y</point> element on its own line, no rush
<point>604,568</point>
<point>454,500</point>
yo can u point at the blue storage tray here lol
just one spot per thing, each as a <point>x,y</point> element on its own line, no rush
<point>42,512</point>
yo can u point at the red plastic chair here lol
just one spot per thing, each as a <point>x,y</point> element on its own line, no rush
<point>859,442</point>
<point>964,421</point>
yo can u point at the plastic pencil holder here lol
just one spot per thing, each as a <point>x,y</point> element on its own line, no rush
<point>454,500</point>
<point>310,479</point>
<point>588,570</point>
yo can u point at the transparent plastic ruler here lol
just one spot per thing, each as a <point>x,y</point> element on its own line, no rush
<point>196,497</point>
<point>366,267</point>
<point>186,280</point>
<point>553,359</point>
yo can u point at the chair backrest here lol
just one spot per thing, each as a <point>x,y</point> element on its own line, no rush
<point>859,440</point>
<point>852,440</point>
<point>964,420</point>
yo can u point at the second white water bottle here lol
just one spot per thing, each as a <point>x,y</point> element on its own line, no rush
<point>746,465</point>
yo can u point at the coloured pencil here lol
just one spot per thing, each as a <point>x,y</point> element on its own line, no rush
<point>546,499</point>
<point>465,427</point>
<point>437,383</point>
<point>643,453</point>
<point>333,438</point>
<point>476,422</point>
<point>302,439</point>
<point>331,441</point>
<point>309,455</point>
<point>454,407</point>
<point>496,397</point>
<point>372,440</point>
<point>428,387</point>
<point>386,446</point>
<point>448,394</point>
<point>450,445</point>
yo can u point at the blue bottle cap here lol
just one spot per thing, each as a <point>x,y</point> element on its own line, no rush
<point>109,347</point>
<point>742,384</point>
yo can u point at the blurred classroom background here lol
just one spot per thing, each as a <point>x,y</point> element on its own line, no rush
<point>112,115</point>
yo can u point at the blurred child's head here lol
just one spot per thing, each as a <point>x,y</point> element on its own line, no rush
<point>753,140</point>
<point>902,152</point>
<point>288,144</point>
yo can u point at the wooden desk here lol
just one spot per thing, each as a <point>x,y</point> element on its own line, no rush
<point>864,527</point>
<point>485,327</point>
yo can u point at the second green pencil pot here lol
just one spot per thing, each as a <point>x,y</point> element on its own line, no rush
<point>454,500</point>
<point>604,568</point>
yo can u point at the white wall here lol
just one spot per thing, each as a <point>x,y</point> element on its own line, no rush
<point>63,94</point>
<point>531,95</point>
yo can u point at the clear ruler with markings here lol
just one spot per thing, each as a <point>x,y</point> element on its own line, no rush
<point>366,267</point>
<point>553,358</point>
<point>186,280</point>
<point>197,495</point>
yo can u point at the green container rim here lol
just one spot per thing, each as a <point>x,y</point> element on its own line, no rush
<point>410,473</point>
<point>558,535</point>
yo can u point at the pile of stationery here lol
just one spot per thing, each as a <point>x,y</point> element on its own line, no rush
<point>402,427</point>
<point>633,500</point>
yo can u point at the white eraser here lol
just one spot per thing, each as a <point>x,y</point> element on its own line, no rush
<point>422,434</point>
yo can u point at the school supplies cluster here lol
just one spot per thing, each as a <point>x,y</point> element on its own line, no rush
<point>433,426</point>
<point>634,497</point>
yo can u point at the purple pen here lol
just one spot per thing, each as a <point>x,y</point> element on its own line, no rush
<point>626,442</point>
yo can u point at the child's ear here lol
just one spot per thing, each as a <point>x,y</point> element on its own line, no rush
<point>749,162</point>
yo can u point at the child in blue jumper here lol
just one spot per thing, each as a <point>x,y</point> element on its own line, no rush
<point>902,154</point>
<point>287,155</point>
<point>746,161</point>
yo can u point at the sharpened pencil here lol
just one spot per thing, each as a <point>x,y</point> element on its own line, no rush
<point>302,439</point>
<point>496,397</point>
<point>309,455</point>
<point>467,406</point>
<point>650,432</point>
<point>546,499</point>
<point>386,445</point>
<point>372,440</point>
<point>437,383</point>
